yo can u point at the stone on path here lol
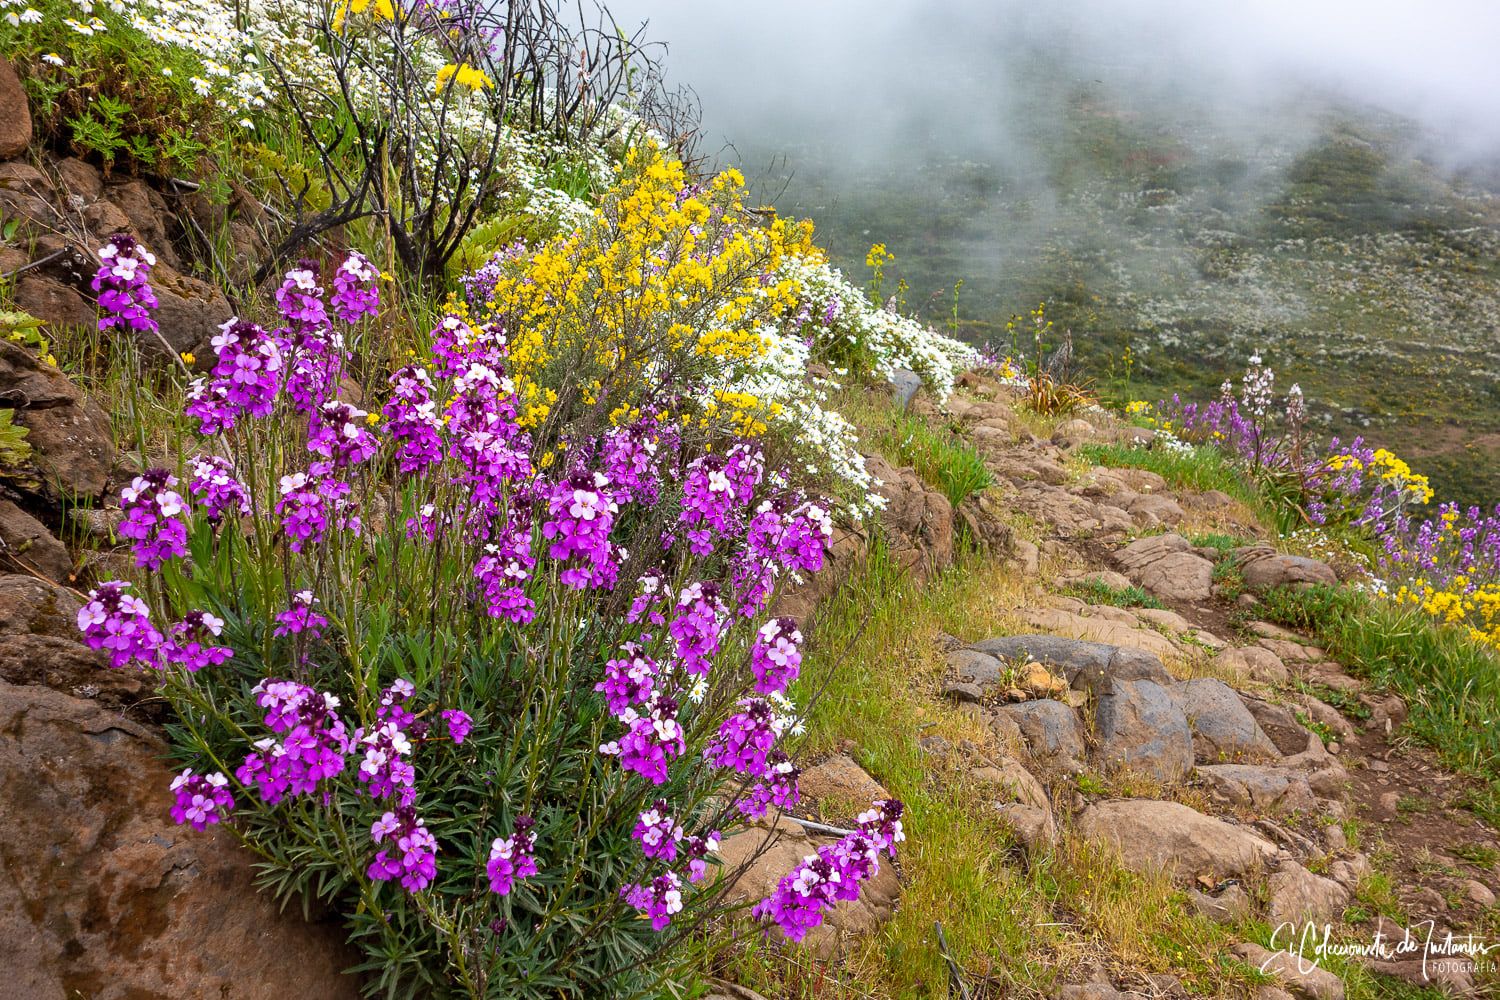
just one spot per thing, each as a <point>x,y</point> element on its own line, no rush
<point>1151,834</point>
<point>1167,567</point>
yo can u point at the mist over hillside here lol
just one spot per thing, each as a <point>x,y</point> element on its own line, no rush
<point>1314,182</point>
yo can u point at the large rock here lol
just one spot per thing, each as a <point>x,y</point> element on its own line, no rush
<point>1088,666</point>
<point>27,540</point>
<point>1034,828</point>
<point>1155,835</point>
<point>1141,728</point>
<point>1265,789</point>
<point>1223,728</point>
<point>983,516</point>
<point>1107,625</point>
<point>917,520</point>
<point>1151,510</point>
<point>15,113</point>
<point>1297,973</point>
<point>34,607</point>
<point>1167,567</point>
<point>1051,729</point>
<point>1297,896</point>
<point>838,780</point>
<point>758,857</point>
<point>189,314</point>
<point>54,302</point>
<point>1010,781</point>
<point>70,437</point>
<point>102,896</point>
<point>1253,662</point>
<point>1263,568</point>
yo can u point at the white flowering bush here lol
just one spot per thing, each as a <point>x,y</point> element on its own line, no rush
<point>150,84</point>
<point>842,325</point>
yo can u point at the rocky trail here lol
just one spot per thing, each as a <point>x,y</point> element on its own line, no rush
<point>1191,738</point>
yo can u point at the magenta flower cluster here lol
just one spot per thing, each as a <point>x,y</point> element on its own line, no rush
<point>802,899</point>
<point>123,284</point>
<point>200,800</point>
<point>190,642</point>
<point>313,744</point>
<point>155,518</point>
<point>512,858</point>
<point>120,624</point>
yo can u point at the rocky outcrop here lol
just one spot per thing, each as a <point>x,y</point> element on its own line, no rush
<point>27,542</point>
<point>1263,568</point>
<point>69,434</point>
<point>1273,790</point>
<point>1151,835</point>
<point>840,781</point>
<point>1089,666</point>
<point>1167,566</point>
<point>15,113</point>
<point>1223,729</point>
<point>1302,977</point>
<point>1050,728</point>
<point>917,520</point>
<point>1297,896</point>
<point>1142,728</point>
<point>101,895</point>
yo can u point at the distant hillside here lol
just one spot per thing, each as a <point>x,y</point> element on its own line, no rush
<point>1360,269</point>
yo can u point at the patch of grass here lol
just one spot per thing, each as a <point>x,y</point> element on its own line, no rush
<point>1450,684</point>
<point>1482,855</point>
<point>1218,540</point>
<point>940,455</point>
<point>1228,578</point>
<point>1201,469</point>
<point>1097,592</point>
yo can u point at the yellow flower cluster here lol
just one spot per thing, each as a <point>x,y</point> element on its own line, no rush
<point>381,10</point>
<point>1477,611</point>
<point>1137,408</point>
<point>464,75</point>
<point>878,256</point>
<point>1389,469</point>
<point>665,282</point>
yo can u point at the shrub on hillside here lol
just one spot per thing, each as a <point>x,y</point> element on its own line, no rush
<point>488,666</point>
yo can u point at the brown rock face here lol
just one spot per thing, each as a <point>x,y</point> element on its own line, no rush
<point>48,299</point>
<point>15,114</point>
<point>70,435</point>
<point>918,521</point>
<point>102,896</point>
<point>27,541</point>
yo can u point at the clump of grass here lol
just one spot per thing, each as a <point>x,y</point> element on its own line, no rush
<point>1201,469</point>
<point>1218,540</point>
<point>1451,685</point>
<point>1098,592</point>
<point>942,458</point>
<point>1052,397</point>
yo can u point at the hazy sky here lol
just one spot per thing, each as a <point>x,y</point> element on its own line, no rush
<point>846,65</point>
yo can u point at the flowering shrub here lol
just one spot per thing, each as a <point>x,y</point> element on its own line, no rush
<point>697,295</point>
<point>1337,484</point>
<point>488,680</point>
<point>1448,565</point>
<point>841,325</point>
